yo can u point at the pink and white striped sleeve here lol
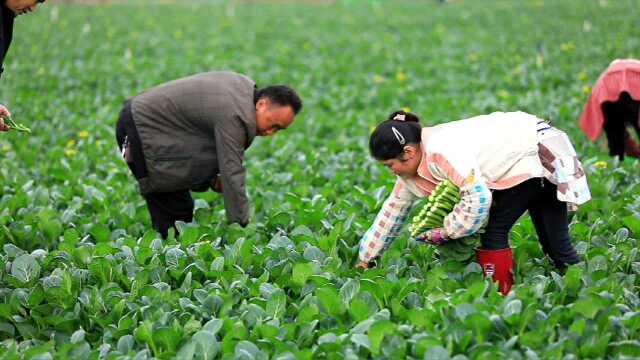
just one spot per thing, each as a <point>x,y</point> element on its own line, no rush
<point>388,222</point>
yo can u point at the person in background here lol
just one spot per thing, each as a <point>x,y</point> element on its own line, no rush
<point>9,9</point>
<point>505,163</point>
<point>614,106</point>
<point>190,134</point>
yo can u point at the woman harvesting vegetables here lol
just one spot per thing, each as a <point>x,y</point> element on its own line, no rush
<point>503,164</point>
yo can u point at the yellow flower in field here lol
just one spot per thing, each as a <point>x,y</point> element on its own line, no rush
<point>70,152</point>
<point>6,147</point>
<point>567,47</point>
<point>400,76</point>
<point>473,57</point>
<point>406,109</point>
<point>586,89</point>
<point>99,142</point>
<point>83,134</point>
<point>583,76</point>
<point>378,79</point>
<point>71,143</point>
<point>503,93</point>
<point>600,164</point>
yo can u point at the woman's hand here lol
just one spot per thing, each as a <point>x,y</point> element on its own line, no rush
<point>436,236</point>
<point>362,265</point>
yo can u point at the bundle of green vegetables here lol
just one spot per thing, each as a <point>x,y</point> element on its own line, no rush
<point>436,207</point>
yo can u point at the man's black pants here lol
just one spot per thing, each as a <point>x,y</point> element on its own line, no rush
<point>167,207</point>
<point>549,216</point>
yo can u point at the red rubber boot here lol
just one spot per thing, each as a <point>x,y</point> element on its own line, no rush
<point>499,265</point>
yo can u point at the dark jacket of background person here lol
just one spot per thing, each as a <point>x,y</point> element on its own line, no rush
<point>195,128</point>
<point>6,32</point>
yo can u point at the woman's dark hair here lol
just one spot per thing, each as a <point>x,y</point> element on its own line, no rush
<point>281,95</point>
<point>391,136</point>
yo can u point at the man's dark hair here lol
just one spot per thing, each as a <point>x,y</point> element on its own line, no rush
<point>281,95</point>
<point>391,136</point>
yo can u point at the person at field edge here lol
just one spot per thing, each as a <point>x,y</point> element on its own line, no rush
<point>504,163</point>
<point>9,9</point>
<point>614,106</point>
<point>190,134</point>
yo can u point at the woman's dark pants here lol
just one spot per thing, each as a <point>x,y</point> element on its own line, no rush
<point>549,215</point>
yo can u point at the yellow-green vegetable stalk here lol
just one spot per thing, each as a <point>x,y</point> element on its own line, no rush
<point>438,205</point>
<point>16,126</point>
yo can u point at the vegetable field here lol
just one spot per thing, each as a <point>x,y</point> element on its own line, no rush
<point>82,276</point>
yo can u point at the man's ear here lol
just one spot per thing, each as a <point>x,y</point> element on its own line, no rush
<point>263,103</point>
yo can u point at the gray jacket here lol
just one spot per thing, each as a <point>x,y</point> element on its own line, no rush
<point>194,128</point>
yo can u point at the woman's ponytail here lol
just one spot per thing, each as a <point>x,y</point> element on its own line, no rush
<point>402,115</point>
<point>391,136</point>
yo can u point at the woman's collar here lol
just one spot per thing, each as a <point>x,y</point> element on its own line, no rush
<point>423,167</point>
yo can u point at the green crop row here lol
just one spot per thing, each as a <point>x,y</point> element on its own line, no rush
<point>83,277</point>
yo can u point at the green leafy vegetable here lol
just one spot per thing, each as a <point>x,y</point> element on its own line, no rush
<point>16,126</point>
<point>436,207</point>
